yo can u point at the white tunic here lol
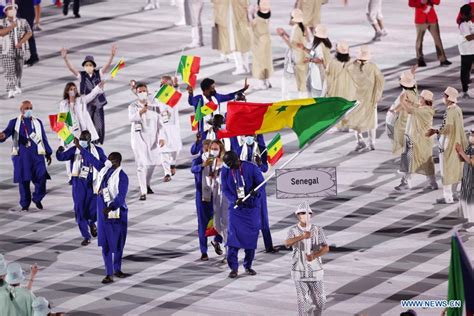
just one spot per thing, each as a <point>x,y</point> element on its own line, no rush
<point>145,132</point>
<point>171,128</point>
<point>81,119</point>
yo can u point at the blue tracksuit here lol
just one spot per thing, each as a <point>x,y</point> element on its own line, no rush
<point>267,237</point>
<point>28,165</point>
<point>85,201</point>
<point>111,233</point>
<point>204,209</point>
<point>244,222</point>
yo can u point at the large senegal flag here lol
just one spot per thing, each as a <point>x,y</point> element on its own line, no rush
<point>460,279</point>
<point>117,67</point>
<point>168,95</point>
<point>308,118</point>
<point>275,150</point>
<point>188,68</point>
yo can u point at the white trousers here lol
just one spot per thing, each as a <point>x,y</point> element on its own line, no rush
<point>168,160</point>
<point>144,174</point>
<point>371,136</point>
<point>374,11</point>
<point>450,188</point>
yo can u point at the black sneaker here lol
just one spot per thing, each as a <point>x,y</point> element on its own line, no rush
<point>24,209</point>
<point>173,170</point>
<point>204,257</point>
<point>77,16</point>
<point>421,63</point>
<point>233,274</point>
<point>85,242</point>
<point>272,250</point>
<point>217,248</point>
<point>445,63</point>
<point>149,190</point>
<point>250,271</point>
<point>120,274</point>
<point>30,62</point>
<point>93,230</point>
<point>39,206</point>
<point>142,197</point>
<point>108,279</point>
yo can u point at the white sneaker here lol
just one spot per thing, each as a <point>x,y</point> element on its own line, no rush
<point>149,6</point>
<point>195,45</point>
<point>11,94</point>
<point>360,146</point>
<point>239,71</point>
<point>17,90</point>
<point>180,23</point>
<point>466,95</point>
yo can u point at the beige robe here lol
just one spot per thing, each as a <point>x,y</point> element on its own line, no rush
<point>301,68</point>
<point>262,62</point>
<point>410,98</point>
<point>453,130</point>
<point>421,120</point>
<point>240,23</point>
<point>369,83</point>
<point>311,11</point>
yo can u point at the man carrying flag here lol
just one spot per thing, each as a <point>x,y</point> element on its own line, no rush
<point>84,178</point>
<point>210,100</point>
<point>30,148</point>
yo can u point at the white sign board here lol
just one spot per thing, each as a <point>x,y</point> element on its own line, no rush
<point>306,182</point>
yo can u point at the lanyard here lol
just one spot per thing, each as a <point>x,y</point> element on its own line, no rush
<point>241,177</point>
<point>26,130</point>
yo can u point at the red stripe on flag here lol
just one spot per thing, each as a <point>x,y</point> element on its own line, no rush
<point>275,158</point>
<point>174,99</point>
<point>196,65</point>
<point>243,118</point>
<point>192,80</point>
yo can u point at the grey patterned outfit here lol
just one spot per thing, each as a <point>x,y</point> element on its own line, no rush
<point>308,276</point>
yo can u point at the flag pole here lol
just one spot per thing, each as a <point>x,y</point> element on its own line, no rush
<point>297,154</point>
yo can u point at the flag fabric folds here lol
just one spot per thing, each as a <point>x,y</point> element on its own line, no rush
<point>65,117</point>
<point>275,150</point>
<point>210,230</point>
<point>460,279</point>
<point>168,95</point>
<point>53,122</point>
<point>209,108</point>
<point>65,135</point>
<point>308,118</point>
<point>119,65</point>
<point>198,115</point>
<point>188,68</point>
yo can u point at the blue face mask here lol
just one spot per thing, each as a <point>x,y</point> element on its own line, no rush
<point>249,140</point>
<point>28,113</point>
<point>84,143</point>
<point>225,165</point>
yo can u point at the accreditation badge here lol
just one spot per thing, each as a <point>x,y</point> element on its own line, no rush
<point>34,137</point>
<point>106,195</point>
<point>84,172</point>
<point>240,192</point>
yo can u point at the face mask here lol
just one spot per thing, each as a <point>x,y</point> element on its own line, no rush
<point>108,163</point>
<point>28,113</point>
<point>83,143</point>
<point>89,69</point>
<point>72,93</point>
<point>11,13</point>
<point>249,140</point>
<point>215,153</point>
<point>142,96</point>
<point>225,165</point>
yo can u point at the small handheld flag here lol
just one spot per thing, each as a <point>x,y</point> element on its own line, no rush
<point>210,230</point>
<point>275,150</point>
<point>65,135</point>
<point>168,95</point>
<point>209,108</point>
<point>198,115</point>
<point>193,127</point>
<point>65,117</point>
<point>120,64</point>
<point>53,122</point>
<point>188,68</point>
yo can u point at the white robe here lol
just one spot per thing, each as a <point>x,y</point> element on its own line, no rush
<point>171,129</point>
<point>145,142</point>
<point>81,119</point>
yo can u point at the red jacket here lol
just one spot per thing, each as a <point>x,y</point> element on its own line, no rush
<point>458,19</point>
<point>420,16</point>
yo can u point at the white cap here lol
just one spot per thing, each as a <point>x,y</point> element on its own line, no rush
<point>302,208</point>
<point>364,53</point>
<point>297,15</point>
<point>427,95</point>
<point>342,48</point>
<point>321,31</point>
<point>452,94</point>
<point>264,6</point>
<point>407,79</point>
<point>14,273</point>
<point>40,307</point>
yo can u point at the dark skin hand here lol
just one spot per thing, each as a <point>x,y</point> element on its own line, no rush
<point>258,160</point>
<point>246,85</point>
<point>48,159</point>
<point>107,210</point>
<point>190,90</point>
<point>60,149</point>
<point>239,202</point>
<point>198,137</point>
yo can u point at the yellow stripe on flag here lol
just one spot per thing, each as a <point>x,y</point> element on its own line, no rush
<point>275,149</point>
<point>277,117</point>
<point>187,69</point>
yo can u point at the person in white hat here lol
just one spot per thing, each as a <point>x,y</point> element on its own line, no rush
<point>466,198</point>
<point>41,307</point>
<point>309,244</point>
<point>418,147</point>
<point>369,82</point>
<point>262,61</point>
<point>319,56</point>
<point>15,32</point>
<point>16,300</point>
<point>295,65</point>
<point>311,10</point>
<point>450,133</point>
<point>396,119</point>
<point>233,32</point>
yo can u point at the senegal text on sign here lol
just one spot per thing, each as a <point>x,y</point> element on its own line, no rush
<point>307,182</point>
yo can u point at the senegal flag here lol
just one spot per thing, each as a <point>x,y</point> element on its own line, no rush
<point>168,95</point>
<point>275,150</point>
<point>117,67</point>
<point>198,115</point>
<point>209,108</point>
<point>65,135</point>
<point>460,279</point>
<point>308,118</point>
<point>188,68</point>
<point>53,122</point>
<point>210,230</point>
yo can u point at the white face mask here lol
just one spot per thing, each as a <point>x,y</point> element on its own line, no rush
<point>72,93</point>
<point>89,69</point>
<point>215,153</point>
<point>108,163</point>
<point>11,13</point>
<point>142,96</point>
<point>249,140</point>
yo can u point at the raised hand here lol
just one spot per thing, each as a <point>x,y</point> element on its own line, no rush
<point>63,52</point>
